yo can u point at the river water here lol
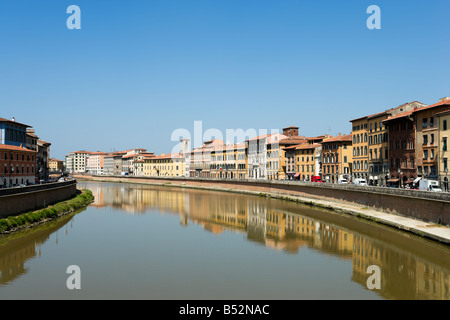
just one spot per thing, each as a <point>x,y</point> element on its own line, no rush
<point>144,242</point>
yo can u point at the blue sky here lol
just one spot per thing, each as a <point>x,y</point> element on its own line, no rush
<point>138,70</point>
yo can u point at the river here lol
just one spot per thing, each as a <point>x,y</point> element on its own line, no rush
<point>144,242</point>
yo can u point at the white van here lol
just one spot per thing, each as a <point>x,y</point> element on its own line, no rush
<point>360,182</point>
<point>342,180</point>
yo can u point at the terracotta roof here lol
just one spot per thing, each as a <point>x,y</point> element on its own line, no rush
<point>400,115</point>
<point>15,148</point>
<point>440,103</point>
<point>347,137</point>
<point>167,156</point>
<point>307,146</point>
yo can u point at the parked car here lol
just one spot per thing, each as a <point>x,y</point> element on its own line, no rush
<point>343,181</point>
<point>360,182</point>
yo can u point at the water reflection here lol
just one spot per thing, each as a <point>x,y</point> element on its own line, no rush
<point>18,248</point>
<point>411,268</point>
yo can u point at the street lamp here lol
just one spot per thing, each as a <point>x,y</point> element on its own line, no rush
<point>446,179</point>
<point>400,177</point>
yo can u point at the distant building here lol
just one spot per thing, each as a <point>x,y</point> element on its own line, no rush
<point>165,165</point>
<point>95,163</point>
<point>17,166</point>
<point>76,161</point>
<point>200,159</point>
<point>56,165</point>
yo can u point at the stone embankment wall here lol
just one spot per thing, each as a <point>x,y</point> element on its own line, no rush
<point>21,200</point>
<point>421,205</point>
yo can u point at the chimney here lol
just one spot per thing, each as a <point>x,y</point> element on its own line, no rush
<point>13,119</point>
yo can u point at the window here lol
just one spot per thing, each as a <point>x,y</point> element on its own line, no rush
<point>425,139</point>
<point>445,165</point>
<point>444,144</point>
<point>425,123</point>
<point>444,124</point>
<point>425,154</point>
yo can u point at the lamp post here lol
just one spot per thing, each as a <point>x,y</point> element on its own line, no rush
<point>446,180</point>
<point>400,177</point>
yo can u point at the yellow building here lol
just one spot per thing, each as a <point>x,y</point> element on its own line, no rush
<point>337,158</point>
<point>443,148</point>
<point>360,148</point>
<point>170,165</point>
<point>56,165</point>
<point>241,161</point>
<point>378,146</point>
<point>305,161</point>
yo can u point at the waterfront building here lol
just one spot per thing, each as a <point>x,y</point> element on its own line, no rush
<point>370,143</point>
<point>165,165</point>
<point>17,165</point>
<point>296,167</point>
<point>108,164</point>
<point>444,152</point>
<point>241,161</point>
<point>12,132</point>
<point>95,163</point>
<point>76,161</point>
<point>117,162</point>
<point>305,161</point>
<point>402,147</point>
<point>200,159</point>
<point>42,160</point>
<point>128,160</point>
<point>264,156</point>
<point>229,161</point>
<point>360,148</point>
<point>427,138</point>
<point>378,144</point>
<point>31,139</point>
<point>185,148</point>
<point>337,158</point>
<point>279,164</point>
<point>56,165</point>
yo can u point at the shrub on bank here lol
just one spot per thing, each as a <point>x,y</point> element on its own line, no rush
<point>60,208</point>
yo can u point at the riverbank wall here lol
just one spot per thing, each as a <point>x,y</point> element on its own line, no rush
<point>15,201</point>
<point>433,207</point>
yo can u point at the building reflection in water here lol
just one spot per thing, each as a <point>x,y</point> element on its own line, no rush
<point>286,226</point>
<point>410,268</point>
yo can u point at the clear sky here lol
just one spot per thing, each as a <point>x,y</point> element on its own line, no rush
<point>138,70</point>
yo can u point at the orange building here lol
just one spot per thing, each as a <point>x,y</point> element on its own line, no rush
<point>17,166</point>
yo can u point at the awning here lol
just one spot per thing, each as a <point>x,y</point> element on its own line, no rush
<point>417,179</point>
<point>296,175</point>
<point>393,180</point>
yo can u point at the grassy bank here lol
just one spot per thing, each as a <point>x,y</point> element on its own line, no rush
<point>14,223</point>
